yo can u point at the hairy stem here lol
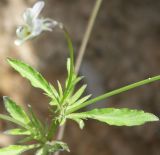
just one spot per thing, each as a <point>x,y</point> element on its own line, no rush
<point>82,51</point>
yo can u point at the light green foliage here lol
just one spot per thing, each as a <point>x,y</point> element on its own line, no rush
<point>78,102</point>
<point>57,145</point>
<point>16,149</point>
<point>16,111</point>
<point>17,132</point>
<point>118,117</point>
<point>64,102</point>
<point>36,79</point>
<point>30,124</point>
<point>52,147</point>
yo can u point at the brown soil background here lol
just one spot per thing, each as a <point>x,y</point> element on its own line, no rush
<point>124,48</point>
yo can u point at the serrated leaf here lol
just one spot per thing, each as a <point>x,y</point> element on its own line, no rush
<point>36,79</point>
<point>16,111</point>
<point>16,149</point>
<point>80,101</point>
<point>17,132</point>
<point>57,146</point>
<point>118,117</point>
<point>77,95</point>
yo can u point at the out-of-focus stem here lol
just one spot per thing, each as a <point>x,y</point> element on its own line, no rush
<point>87,34</point>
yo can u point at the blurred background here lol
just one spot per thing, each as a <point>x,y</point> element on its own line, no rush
<point>124,48</point>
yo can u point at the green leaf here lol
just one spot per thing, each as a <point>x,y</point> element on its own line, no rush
<point>37,127</point>
<point>32,75</point>
<point>18,132</point>
<point>77,95</point>
<point>118,117</point>
<point>26,140</point>
<point>80,101</point>
<point>8,118</point>
<point>57,146</point>
<point>79,121</point>
<point>16,149</point>
<point>60,89</point>
<point>68,66</point>
<point>42,151</point>
<point>16,111</point>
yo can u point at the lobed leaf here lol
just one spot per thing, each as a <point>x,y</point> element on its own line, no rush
<point>16,111</point>
<point>118,117</point>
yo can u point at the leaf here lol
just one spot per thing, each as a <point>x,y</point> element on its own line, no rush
<point>25,140</point>
<point>17,132</point>
<point>42,151</point>
<point>57,146</point>
<point>79,121</point>
<point>32,75</point>
<point>77,95</point>
<point>60,89</point>
<point>80,101</point>
<point>68,66</point>
<point>16,111</point>
<point>37,126</point>
<point>8,118</point>
<point>118,117</point>
<point>16,149</point>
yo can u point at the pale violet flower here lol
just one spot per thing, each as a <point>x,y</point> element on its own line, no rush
<point>34,25</point>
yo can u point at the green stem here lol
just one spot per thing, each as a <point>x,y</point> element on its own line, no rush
<point>71,51</point>
<point>55,124</point>
<point>82,51</point>
<point>115,92</point>
<point>53,129</point>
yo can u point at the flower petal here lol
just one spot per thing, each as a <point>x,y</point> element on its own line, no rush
<point>28,16</point>
<point>37,27</point>
<point>37,8</point>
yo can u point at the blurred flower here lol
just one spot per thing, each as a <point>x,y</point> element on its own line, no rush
<point>34,25</point>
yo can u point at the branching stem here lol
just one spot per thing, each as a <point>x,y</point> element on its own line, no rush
<point>82,51</point>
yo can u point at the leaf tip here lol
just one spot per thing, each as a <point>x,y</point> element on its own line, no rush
<point>155,118</point>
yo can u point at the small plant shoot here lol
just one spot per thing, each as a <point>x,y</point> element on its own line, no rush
<point>65,102</point>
